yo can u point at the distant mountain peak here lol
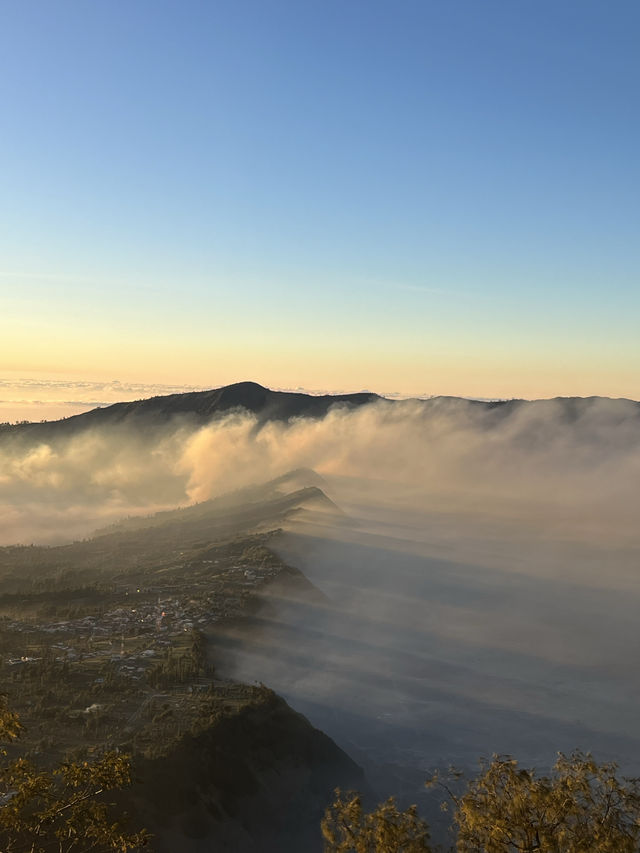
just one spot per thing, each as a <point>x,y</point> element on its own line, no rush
<point>198,407</point>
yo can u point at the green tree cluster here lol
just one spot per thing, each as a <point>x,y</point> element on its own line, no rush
<point>184,668</point>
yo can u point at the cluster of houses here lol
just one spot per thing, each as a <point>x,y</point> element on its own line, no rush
<point>157,614</point>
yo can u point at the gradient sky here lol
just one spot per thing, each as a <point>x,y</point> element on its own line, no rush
<point>421,197</point>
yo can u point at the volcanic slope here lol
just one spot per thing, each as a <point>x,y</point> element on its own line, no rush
<point>105,646</point>
<point>200,407</point>
<point>197,407</point>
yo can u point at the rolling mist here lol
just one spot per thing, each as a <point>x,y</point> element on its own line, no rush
<point>565,463</point>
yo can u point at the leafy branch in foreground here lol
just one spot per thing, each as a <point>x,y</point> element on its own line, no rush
<point>581,807</point>
<point>61,811</point>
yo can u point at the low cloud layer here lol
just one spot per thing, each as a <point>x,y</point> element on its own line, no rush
<point>444,453</point>
<point>41,399</point>
<point>38,399</point>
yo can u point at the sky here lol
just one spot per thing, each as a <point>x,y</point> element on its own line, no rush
<point>406,197</point>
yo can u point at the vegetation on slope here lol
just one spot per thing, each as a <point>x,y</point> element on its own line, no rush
<point>61,810</point>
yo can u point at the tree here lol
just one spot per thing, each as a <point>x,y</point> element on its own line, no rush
<point>581,807</point>
<point>61,810</point>
<point>346,828</point>
<point>199,650</point>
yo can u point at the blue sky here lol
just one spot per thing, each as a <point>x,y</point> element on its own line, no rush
<point>425,197</point>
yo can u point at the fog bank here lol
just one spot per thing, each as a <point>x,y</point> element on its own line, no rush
<point>523,460</point>
<point>449,635</point>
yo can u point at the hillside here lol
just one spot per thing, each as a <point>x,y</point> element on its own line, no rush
<point>151,416</point>
<point>106,643</point>
<point>197,407</point>
<point>257,779</point>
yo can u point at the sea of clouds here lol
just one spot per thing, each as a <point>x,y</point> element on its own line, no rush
<point>449,451</point>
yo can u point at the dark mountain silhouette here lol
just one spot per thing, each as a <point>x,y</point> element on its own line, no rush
<point>200,407</point>
<point>197,407</point>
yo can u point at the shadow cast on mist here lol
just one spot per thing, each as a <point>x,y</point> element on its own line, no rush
<point>414,661</point>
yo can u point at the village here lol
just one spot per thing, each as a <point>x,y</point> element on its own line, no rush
<point>160,613</point>
<point>133,668</point>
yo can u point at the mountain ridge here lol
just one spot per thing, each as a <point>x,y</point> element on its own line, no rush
<point>197,408</point>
